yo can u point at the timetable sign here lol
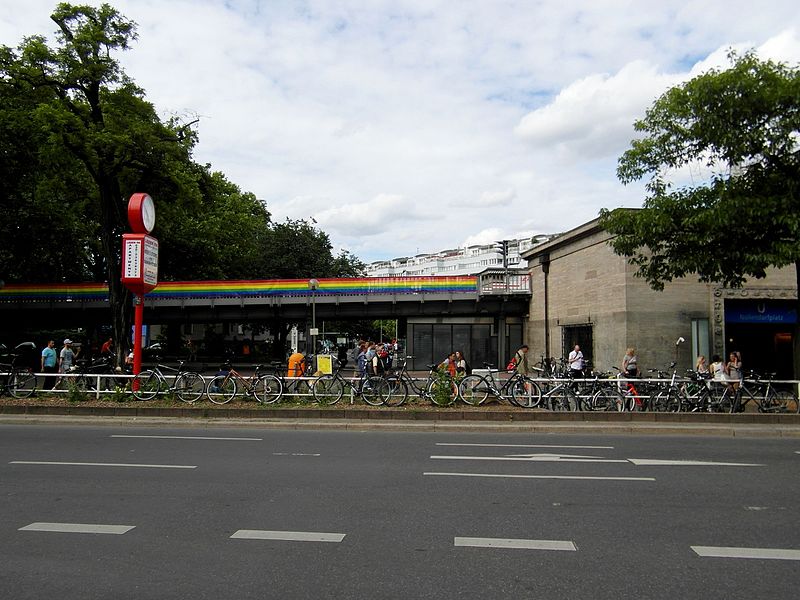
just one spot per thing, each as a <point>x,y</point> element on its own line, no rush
<point>139,262</point>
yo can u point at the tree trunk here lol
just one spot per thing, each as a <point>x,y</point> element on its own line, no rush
<point>119,298</point>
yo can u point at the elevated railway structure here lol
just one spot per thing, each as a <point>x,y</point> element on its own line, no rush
<point>483,303</point>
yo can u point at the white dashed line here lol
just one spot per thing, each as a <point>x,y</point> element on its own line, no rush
<point>472,542</point>
<point>78,528</point>
<point>576,477</point>
<point>287,536</point>
<point>87,464</point>
<point>188,437</point>
<point>526,446</point>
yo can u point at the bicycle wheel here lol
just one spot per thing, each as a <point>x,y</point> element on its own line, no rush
<point>221,389</point>
<point>375,390</point>
<point>146,385</point>
<point>473,390</point>
<point>779,401</point>
<point>189,387</point>
<point>566,400</point>
<point>441,391</point>
<point>660,401</point>
<point>21,384</point>
<point>397,391</point>
<point>327,390</point>
<point>526,393</point>
<point>268,389</point>
<point>608,398</point>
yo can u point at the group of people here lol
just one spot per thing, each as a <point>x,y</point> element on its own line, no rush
<point>730,372</point>
<point>374,359</point>
<point>53,361</point>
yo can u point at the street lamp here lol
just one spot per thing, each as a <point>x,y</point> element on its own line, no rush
<point>313,285</point>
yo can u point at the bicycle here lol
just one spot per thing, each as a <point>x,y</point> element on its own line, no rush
<point>329,389</point>
<point>600,393</point>
<point>439,388</point>
<point>188,386</point>
<point>768,400</point>
<point>94,375</point>
<point>264,388</point>
<point>519,390</point>
<point>18,382</point>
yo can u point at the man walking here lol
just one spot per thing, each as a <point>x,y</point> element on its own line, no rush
<point>49,364</point>
<point>576,362</point>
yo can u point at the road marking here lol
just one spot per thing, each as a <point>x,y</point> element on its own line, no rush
<point>87,464</point>
<point>688,463</point>
<point>287,536</point>
<point>512,543</point>
<point>527,446</point>
<point>78,528</point>
<point>188,437</point>
<point>577,477</point>
<point>292,454</point>
<point>533,458</point>
<point>762,553</point>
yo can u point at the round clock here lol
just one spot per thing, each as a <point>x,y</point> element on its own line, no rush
<point>141,213</point>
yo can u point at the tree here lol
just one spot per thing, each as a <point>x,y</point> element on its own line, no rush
<point>741,124</point>
<point>95,138</point>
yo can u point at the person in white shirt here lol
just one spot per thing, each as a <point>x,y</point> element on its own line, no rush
<point>576,362</point>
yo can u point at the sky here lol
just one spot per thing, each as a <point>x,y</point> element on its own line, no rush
<point>411,126</point>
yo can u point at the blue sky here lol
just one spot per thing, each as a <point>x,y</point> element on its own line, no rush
<point>412,126</point>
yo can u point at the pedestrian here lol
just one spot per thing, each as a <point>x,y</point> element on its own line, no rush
<point>630,364</point>
<point>462,366</point>
<point>449,364</point>
<point>576,362</point>
<point>717,368</point>
<point>66,358</point>
<point>295,365</point>
<point>520,361</point>
<point>734,370</point>
<point>49,364</point>
<point>361,360</point>
<point>107,349</point>
<point>701,367</point>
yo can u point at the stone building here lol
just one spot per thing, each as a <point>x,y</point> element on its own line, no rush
<point>584,293</point>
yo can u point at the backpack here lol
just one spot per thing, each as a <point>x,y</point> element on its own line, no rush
<point>467,368</point>
<point>512,366</point>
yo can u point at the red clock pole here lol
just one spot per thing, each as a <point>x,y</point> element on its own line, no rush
<point>138,322</point>
<point>139,264</point>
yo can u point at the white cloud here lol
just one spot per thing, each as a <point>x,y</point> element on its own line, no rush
<point>593,117</point>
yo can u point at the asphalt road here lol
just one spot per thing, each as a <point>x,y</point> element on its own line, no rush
<point>127,512</point>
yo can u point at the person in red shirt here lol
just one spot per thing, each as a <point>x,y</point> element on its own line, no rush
<point>107,348</point>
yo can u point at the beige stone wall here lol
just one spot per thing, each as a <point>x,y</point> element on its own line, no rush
<point>589,284</point>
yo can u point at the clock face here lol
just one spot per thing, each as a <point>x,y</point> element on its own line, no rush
<point>148,213</point>
<point>141,213</point>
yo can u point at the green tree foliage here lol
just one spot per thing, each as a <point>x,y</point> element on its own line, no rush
<point>78,137</point>
<point>742,125</point>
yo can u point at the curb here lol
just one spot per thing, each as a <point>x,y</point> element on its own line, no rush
<point>721,425</point>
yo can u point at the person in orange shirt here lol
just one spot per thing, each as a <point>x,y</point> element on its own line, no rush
<point>449,364</point>
<point>296,361</point>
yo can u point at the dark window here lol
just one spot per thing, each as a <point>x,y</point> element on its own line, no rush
<point>581,335</point>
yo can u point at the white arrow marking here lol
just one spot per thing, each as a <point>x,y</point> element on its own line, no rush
<point>688,463</point>
<point>759,553</point>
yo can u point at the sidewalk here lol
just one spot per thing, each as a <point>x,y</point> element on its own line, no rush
<point>491,419</point>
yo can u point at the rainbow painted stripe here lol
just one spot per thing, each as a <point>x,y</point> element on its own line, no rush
<point>251,288</point>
